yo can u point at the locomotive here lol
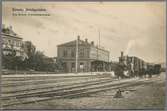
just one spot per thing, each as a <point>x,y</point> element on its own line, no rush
<point>131,66</point>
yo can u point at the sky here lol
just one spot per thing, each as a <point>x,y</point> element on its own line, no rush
<point>137,28</point>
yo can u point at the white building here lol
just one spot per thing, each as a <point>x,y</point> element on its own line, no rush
<point>12,43</point>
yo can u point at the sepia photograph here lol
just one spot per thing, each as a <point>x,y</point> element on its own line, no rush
<point>83,55</point>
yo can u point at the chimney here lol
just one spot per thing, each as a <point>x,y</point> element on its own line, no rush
<point>122,53</point>
<point>86,40</point>
<point>92,43</point>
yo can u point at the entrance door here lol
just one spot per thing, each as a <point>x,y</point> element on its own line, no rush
<point>73,67</point>
<point>81,67</point>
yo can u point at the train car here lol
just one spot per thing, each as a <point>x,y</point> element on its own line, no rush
<point>153,69</point>
<point>157,69</point>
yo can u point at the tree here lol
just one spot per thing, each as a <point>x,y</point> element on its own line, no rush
<point>29,48</point>
<point>12,62</point>
<point>38,61</point>
<point>35,60</point>
<point>59,64</point>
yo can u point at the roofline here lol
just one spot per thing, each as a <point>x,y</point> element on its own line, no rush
<point>11,35</point>
<point>63,44</point>
<point>102,49</point>
<point>137,58</point>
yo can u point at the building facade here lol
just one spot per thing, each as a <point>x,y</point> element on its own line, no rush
<point>90,57</point>
<point>11,42</point>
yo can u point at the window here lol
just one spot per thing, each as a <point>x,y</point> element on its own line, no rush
<point>81,52</point>
<point>65,53</point>
<point>14,43</point>
<point>5,42</point>
<point>19,44</point>
<point>73,65</point>
<point>81,66</point>
<point>9,41</point>
<point>72,53</point>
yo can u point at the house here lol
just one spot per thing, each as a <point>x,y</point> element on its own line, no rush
<point>11,42</point>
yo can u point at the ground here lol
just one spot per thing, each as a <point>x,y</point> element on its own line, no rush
<point>144,96</point>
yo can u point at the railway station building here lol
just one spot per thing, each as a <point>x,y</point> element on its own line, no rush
<point>90,58</point>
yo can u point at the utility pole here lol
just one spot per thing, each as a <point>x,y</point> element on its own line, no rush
<point>99,37</point>
<point>76,62</point>
<point>98,46</point>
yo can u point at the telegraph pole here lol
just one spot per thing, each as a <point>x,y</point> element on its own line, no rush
<point>76,62</point>
<point>99,37</point>
<point>98,46</point>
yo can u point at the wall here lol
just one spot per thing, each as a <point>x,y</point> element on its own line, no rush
<point>99,54</point>
<point>83,52</point>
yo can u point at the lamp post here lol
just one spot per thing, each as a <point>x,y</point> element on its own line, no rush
<point>76,62</point>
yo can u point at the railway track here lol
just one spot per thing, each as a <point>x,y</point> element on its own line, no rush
<point>47,83</point>
<point>23,78</point>
<point>39,92</point>
<point>55,85</point>
<point>71,92</point>
<point>30,82</point>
